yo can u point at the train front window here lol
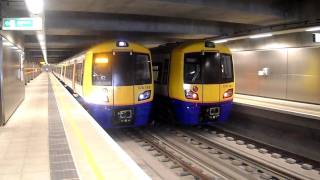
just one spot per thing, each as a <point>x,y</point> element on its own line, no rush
<point>207,68</point>
<point>211,68</point>
<point>192,68</point>
<point>227,68</point>
<point>142,69</point>
<point>101,72</point>
<point>121,69</point>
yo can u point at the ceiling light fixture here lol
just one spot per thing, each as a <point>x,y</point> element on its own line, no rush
<point>35,6</point>
<point>313,29</point>
<point>220,41</point>
<point>40,37</point>
<point>260,36</point>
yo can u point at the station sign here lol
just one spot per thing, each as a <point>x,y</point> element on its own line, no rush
<point>22,24</point>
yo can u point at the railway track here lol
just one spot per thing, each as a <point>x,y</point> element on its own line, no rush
<point>202,155</point>
<point>269,165</point>
<point>201,163</point>
<point>289,156</point>
<point>166,152</point>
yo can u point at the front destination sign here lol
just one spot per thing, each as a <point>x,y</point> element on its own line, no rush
<point>22,24</point>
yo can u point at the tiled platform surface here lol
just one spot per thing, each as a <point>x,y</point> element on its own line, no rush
<point>289,107</point>
<point>24,152</point>
<point>95,153</point>
<point>51,136</point>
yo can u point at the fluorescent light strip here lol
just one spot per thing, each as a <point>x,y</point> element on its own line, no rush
<point>260,36</point>
<point>313,29</point>
<point>294,30</point>
<point>40,37</point>
<point>42,41</point>
<point>7,43</point>
<point>220,41</point>
<point>36,7</point>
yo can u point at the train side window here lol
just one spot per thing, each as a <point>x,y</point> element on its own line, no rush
<point>70,72</point>
<point>155,69</point>
<point>157,72</point>
<point>79,73</point>
<point>165,71</point>
<point>226,68</point>
<point>64,71</point>
<point>67,72</point>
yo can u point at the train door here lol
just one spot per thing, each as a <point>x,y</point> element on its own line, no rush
<point>123,88</point>
<point>210,77</point>
<point>122,78</point>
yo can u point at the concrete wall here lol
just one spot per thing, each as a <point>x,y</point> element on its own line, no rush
<point>293,62</point>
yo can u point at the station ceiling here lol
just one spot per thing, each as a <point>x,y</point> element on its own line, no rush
<point>72,26</point>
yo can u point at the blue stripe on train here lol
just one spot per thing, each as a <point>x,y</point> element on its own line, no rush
<point>103,114</point>
<point>188,113</point>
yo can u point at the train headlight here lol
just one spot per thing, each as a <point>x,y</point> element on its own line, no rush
<point>98,97</point>
<point>189,94</point>
<point>122,44</point>
<point>145,95</point>
<point>228,93</point>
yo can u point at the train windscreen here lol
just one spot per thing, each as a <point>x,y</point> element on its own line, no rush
<point>207,68</point>
<point>142,69</point>
<point>121,69</point>
<point>101,71</point>
<point>226,68</point>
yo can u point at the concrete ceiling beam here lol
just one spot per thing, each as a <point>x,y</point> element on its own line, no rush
<point>135,23</point>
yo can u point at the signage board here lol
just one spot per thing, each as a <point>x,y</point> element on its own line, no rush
<point>22,24</point>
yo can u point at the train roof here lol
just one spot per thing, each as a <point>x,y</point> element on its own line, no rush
<point>118,45</point>
<point>191,46</point>
<point>108,46</point>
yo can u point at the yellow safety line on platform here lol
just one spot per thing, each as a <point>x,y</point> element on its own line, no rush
<point>79,135</point>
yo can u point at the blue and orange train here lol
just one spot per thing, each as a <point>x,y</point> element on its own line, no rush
<point>194,82</point>
<point>115,80</point>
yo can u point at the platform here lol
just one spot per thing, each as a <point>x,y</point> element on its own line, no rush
<point>297,113</point>
<point>51,136</point>
<point>288,107</point>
